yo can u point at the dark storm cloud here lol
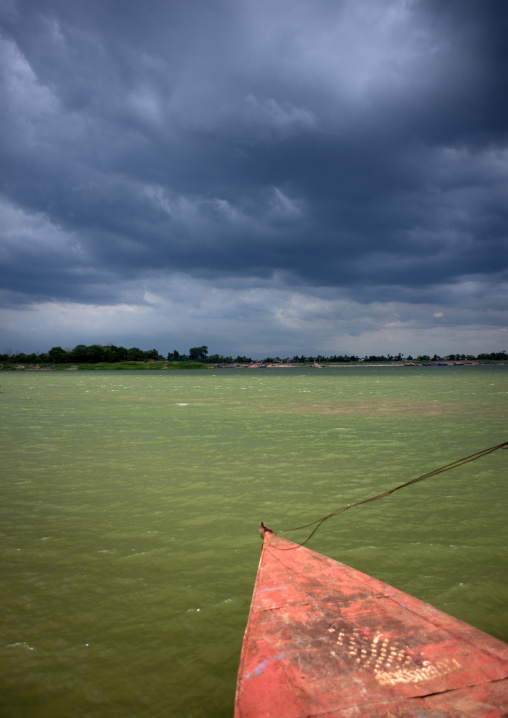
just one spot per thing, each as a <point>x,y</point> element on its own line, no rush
<point>355,145</point>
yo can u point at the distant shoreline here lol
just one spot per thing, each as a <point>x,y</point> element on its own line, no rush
<point>196,366</point>
<point>341,365</point>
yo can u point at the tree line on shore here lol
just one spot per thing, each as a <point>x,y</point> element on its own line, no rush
<point>97,353</point>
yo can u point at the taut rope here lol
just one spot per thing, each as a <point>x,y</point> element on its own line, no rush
<point>453,465</point>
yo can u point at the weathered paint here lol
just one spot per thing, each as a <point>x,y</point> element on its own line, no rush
<point>326,640</point>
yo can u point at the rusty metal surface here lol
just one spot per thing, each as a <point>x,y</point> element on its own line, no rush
<point>326,640</point>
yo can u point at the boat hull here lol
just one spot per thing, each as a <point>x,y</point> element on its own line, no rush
<point>326,640</point>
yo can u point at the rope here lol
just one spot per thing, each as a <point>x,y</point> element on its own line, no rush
<point>453,465</point>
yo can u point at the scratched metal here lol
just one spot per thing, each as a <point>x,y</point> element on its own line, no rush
<point>325,639</point>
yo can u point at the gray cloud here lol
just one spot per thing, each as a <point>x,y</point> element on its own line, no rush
<point>355,149</point>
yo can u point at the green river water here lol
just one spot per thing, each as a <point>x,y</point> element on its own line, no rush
<point>131,504</point>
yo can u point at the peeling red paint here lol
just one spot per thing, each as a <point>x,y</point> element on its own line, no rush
<point>326,640</point>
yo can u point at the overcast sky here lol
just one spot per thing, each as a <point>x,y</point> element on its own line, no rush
<point>260,176</point>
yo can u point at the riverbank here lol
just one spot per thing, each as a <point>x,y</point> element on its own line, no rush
<point>189,365</point>
<point>108,366</point>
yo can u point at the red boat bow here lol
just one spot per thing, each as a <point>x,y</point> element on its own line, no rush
<point>325,640</point>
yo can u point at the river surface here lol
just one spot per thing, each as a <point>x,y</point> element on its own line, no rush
<point>131,504</point>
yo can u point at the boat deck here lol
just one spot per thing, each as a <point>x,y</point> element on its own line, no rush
<point>324,639</point>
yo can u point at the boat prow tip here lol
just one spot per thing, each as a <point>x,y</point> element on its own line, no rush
<point>264,530</point>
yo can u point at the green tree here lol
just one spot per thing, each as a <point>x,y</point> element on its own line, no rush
<point>58,355</point>
<point>116,354</point>
<point>151,354</point>
<point>198,353</point>
<point>96,353</point>
<point>135,354</point>
<point>78,354</point>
